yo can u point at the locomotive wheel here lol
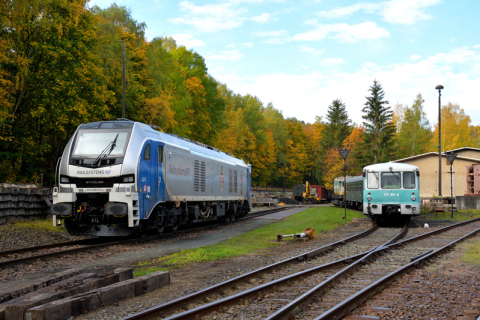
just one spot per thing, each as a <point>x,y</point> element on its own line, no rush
<point>160,229</point>
<point>175,226</point>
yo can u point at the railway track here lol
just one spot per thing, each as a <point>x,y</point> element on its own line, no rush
<point>264,275</point>
<point>14,257</point>
<point>327,287</point>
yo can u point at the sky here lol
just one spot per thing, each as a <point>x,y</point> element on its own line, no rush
<point>300,55</point>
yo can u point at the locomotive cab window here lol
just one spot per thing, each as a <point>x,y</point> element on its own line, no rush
<point>409,180</point>
<point>146,153</point>
<point>89,143</point>
<point>372,180</point>
<point>391,180</point>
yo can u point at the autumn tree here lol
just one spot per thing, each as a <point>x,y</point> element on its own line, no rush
<point>379,132</point>
<point>336,128</point>
<point>334,162</point>
<point>455,129</point>
<point>117,27</point>
<point>56,81</point>
<point>475,136</point>
<point>413,132</point>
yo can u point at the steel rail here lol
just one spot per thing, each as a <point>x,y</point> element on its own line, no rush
<point>363,295</point>
<point>181,303</point>
<point>298,304</point>
<point>44,246</point>
<point>7,263</point>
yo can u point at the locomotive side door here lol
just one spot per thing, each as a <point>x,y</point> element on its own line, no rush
<point>148,177</point>
<point>160,172</point>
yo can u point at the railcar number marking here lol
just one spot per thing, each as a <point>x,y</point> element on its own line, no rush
<point>386,194</point>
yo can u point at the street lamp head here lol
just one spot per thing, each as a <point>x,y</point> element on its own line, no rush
<point>343,153</point>
<point>439,87</point>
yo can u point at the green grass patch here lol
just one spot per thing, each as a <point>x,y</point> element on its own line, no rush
<point>320,218</point>
<point>461,215</point>
<point>143,271</point>
<point>471,252</point>
<point>36,225</point>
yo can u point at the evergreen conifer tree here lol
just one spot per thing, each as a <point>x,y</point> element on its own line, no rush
<point>335,130</point>
<point>338,126</point>
<point>378,140</point>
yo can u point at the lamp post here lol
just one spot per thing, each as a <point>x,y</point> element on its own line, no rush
<point>283,179</point>
<point>123,81</point>
<point>344,154</point>
<point>248,158</point>
<point>439,88</point>
<point>451,157</point>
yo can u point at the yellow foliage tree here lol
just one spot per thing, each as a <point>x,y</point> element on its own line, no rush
<point>200,116</point>
<point>455,129</point>
<point>334,162</point>
<point>157,111</point>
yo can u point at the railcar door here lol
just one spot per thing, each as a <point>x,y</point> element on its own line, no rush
<point>160,171</point>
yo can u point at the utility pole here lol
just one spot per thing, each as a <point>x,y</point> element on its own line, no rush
<point>344,154</point>
<point>439,88</point>
<point>123,81</point>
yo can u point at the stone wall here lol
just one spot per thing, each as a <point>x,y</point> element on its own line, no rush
<point>468,202</point>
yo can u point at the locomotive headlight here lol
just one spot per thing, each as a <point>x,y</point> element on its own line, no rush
<point>413,198</point>
<point>64,179</point>
<point>128,178</point>
<point>369,198</point>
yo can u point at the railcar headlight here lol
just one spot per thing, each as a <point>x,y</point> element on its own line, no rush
<point>369,198</point>
<point>64,179</point>
<point>413,198</point>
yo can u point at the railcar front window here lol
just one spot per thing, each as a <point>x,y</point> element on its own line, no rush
<point>391,180</point>
<point>409,180</point>
<point>372,180</point>
<point>93,142</point>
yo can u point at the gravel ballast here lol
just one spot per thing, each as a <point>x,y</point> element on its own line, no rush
<point>435,300</point>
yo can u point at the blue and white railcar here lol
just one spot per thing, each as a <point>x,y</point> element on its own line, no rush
<point>120,177</point>
<point>391,190</point>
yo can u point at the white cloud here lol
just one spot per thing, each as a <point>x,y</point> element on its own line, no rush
<point>362,31</point>
<point>348,11</point>
<point>406,11</point>
<point>242,44</point>
<point>278,33</point>
<point>393,11</point>
<point>476,46</point>
<point>226,55</point>
<point>188,40</point>
<point>308,94</point>
<point>333,61</point>
<point>344,32</point>
<point>415,57</point>
<point>311,50</point>
<point>263,18</point>
<point>210,17</point>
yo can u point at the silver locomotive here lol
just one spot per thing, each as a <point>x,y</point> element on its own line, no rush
<point>118,178</point>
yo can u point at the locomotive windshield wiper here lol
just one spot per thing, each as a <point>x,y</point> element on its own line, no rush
<point>106,151</point>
